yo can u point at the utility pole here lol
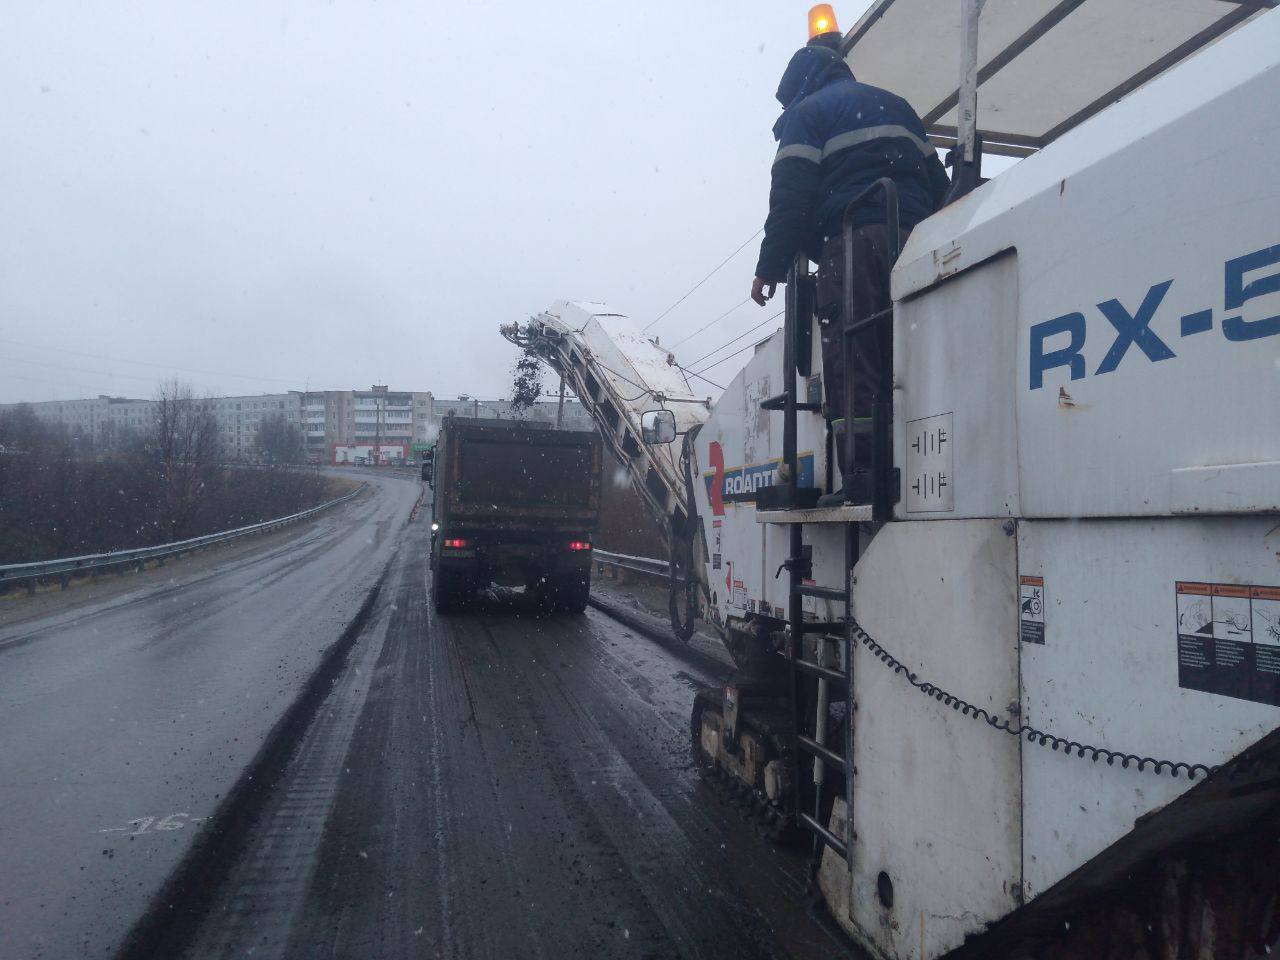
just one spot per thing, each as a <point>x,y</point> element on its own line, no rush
<point>379,402</point>
<point>560,405</point>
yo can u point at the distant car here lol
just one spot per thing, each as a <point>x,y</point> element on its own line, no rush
<point>411,462</point>
<point>361,461</point>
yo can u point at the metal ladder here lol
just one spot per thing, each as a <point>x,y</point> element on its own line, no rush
<point>810,740</point>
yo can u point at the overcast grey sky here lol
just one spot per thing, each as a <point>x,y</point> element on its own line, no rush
<point>282,195</point>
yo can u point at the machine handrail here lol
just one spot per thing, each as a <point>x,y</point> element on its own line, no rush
<point>882,406</point>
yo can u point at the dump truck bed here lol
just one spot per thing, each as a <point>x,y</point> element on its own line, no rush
<point>508,475</point>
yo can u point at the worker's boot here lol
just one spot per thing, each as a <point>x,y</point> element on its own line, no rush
<point>857,486</point>
<point>837,498</point>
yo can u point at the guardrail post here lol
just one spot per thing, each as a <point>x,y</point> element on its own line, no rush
<point>31,586</point>
<point>65,580</point>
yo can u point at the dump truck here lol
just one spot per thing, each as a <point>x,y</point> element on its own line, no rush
<point>1026,701</point>
<point>514,504</point>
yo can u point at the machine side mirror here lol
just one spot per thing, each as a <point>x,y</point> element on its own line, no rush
<point>658,426</point>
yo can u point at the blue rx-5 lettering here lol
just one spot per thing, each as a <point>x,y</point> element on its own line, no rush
<point>1133,326</point>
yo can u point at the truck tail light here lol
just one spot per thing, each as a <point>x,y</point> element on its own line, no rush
<point>457,544</point>
<point>579,545</point>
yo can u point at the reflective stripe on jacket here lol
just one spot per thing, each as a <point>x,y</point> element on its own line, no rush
<point>833,144</point>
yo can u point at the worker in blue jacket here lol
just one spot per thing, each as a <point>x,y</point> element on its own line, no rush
<point>836,137</point>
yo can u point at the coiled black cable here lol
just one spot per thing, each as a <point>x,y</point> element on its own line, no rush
<point>1018,729</point>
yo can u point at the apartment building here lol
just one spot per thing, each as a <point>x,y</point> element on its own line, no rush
<point>325,418</point>
<point>240,418</point>
<point>100,421</point>
<point>573,417</point>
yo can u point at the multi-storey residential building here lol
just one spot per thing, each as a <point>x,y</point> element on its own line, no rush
<point>100,421</point>
<point>379,415</point>
<point>315,423</point>
<point>326,418</point>
<point>428,417</point>
<point>240,418</point>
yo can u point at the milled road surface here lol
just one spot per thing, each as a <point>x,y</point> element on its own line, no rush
<point>126,718</point>
<point>499,784</point>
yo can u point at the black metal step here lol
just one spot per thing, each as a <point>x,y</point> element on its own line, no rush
<point>781,496</point>
<point>780,402</point>
<point>822,593</point>
<point>825,835</point>
<point>858,325</point>
<point>823,673</point>
<point>825,754</point>
<point>833,627</point>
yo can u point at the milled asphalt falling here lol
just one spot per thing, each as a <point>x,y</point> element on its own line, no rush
<point>498,783</point>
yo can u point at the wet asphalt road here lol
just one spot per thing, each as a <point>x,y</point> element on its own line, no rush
<point>492,784</point>
<point>124,719</point>
<point>502,784</point>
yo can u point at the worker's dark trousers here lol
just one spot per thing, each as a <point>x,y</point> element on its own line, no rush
<point>872,346</point>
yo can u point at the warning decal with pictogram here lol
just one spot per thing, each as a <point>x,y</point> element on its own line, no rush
<point>1229,640</point>
<point>1031,609</point>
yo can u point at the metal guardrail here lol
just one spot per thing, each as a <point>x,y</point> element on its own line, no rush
<point>65,568</point>
<point>656,568</point>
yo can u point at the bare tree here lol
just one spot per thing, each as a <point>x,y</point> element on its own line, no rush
<point>22,431</point>
<point>183,440</point>
<point>280,441</point>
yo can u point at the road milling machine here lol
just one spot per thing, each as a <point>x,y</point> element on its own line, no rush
<point>1025,700</point>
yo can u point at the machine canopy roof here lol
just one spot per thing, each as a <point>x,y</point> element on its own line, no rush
<point>1044,66</point>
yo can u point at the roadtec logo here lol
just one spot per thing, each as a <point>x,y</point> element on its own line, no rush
<point>722,482</point>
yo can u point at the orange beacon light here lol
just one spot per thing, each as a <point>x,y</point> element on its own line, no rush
<point>822,19</point>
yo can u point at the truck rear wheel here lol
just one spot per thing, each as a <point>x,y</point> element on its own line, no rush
<point>448,592</point>
<point>571,592</point>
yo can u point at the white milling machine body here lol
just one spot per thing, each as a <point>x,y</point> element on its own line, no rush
<point>1086,533</point>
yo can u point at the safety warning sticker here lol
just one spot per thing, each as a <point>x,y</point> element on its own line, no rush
<point>1031,609</point>
<point>1229,640</point>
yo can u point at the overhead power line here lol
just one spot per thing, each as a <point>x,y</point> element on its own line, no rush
<point>25,361</point>
<point>54,383</point>
<point>146,363</point>
<point>713,272</point>
<point>710,324</point>
<point>729,356</point>
<point>729,343</point>
<point>690,373</point>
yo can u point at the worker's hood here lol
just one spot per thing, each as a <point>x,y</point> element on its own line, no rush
<point>809,70</point>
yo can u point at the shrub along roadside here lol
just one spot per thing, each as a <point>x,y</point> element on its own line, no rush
<point>65,507</point>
